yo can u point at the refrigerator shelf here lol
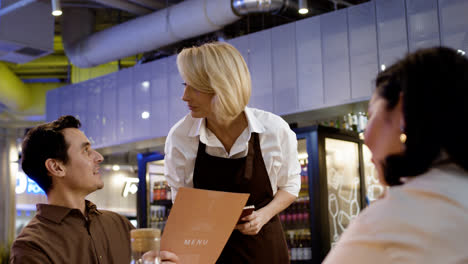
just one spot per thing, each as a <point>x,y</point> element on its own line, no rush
<point>162,202</point>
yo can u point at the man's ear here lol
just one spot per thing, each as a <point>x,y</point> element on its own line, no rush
<point>55,167</point>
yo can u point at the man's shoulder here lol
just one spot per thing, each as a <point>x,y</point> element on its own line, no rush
<point>110,216</point>
<point>32,236</point>
<point>36,228</point>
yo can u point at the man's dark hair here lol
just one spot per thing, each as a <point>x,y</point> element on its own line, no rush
<point>434,85</point>
<point>46,142</point>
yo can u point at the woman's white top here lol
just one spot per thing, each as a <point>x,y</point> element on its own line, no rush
<point>277,142</point>
<point>423,221</point>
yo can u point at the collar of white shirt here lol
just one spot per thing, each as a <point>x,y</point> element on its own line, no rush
<point>199,128</point>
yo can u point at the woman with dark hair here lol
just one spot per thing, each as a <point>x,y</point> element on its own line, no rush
<point>419,148</point>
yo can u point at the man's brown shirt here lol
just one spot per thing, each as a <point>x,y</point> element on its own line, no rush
<point>59,234</point>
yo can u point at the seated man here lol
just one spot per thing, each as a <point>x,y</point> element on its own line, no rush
<point>69,229</point>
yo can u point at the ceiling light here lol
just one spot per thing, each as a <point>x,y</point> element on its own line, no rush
<point>145,115</point>
<point>115,167</point>
<point>382,67</point>
<point>145,84</point>
<point>303,9</point>
<point>56,9</point>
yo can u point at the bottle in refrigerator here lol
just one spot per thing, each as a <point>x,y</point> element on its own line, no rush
<point>307,248</point>
<point>300,247</point>
<point>168,193</point>
<point>162,195</point>
<point>294,252</point>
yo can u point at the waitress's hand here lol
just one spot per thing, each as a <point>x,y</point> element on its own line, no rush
<point>254,223</point>
<point>168,258</point>
<point>165,256</point>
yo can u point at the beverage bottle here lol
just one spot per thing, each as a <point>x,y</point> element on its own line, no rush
<point>306,179</point>
<point>362,121</point>
<point>338,123</point>
<point>288,242</point>
<point>299,222</point>
<point>156,220</point>
<point>293,248</point>
<point>299,215</point>
<point>282,217</point>
<point>304,184</point>
<point>162,195</point>
<point>288,218</point>
<point>163,218</point>
<point>155,190</point>
<point>152,215</point>
<point>145,244</point>
<point>355,122</point>
<point>346,122</point>
<point>168,192</point>
<point>300,248</point>
<point>305,217</point>
<point>294,215</point>
<point>308,248</point>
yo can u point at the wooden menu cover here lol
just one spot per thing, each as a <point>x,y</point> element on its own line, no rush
<point>200,224</point>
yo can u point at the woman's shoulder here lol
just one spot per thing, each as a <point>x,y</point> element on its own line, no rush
<point>441,184</point>
<point>182,127</point>
<point>442,187</point>
<point>181,134</point>
<point>408,205</point>
<point>270,120</point>
<point>421,226</point>
<point>424,220</point>
<point>415,211</point>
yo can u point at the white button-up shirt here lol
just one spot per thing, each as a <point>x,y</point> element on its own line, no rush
<point>277,142</point>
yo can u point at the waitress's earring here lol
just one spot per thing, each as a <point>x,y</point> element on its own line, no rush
<point>402,136</point>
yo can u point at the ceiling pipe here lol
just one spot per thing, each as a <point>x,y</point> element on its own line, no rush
<point>125,6</point>
<point>154,30</point>
<point>244,7</point>
<point>341,2</point>
<point>46,61</point>
<point>13,7</point>
<point>149,4</point>
<point>14,94</point>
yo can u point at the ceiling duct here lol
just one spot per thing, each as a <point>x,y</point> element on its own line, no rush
<point>185,20</point>
<point>14,94</point>
<point>244,7</point>
<point>2,107</point>
<point>26,30</point>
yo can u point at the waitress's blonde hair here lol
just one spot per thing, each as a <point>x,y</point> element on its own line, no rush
<point>217,68</point>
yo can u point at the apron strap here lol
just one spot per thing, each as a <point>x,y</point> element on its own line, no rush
<point>250,156</point>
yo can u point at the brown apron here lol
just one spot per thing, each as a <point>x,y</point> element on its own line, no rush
<point>244,175</point>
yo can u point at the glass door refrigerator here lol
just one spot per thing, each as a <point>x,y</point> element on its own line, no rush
<point>332,191</point>
<point>154,202</point>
